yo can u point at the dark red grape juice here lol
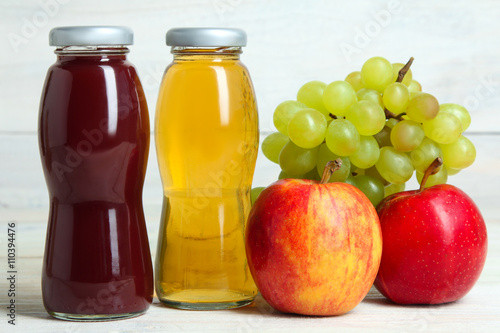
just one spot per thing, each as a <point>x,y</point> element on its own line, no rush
<point>94,143</point>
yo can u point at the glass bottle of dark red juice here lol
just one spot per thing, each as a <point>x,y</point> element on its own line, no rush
<point>94,142</point>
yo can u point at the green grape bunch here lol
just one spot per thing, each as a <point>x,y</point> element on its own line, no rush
<point>379,122</point>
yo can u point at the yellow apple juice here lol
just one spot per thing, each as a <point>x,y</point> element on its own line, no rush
<point>207,140</point>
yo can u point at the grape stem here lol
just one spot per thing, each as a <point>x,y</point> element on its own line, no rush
<point>389,114</point>
<point>430,171</point>
<point>401,75</point>
<point>330,168</point>
<point>402,72</point>
<point>332,116</point>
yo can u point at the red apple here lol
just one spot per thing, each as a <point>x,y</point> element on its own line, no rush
<point>313,248</point>
<point>434,247</point>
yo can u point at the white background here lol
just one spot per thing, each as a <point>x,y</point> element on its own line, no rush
<point>455,45</point>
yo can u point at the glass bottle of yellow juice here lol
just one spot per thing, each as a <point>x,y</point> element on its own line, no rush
<point>206,132</point>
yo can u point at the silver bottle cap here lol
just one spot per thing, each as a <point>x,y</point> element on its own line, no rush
<point>210,37</point>
<point>91,35</point>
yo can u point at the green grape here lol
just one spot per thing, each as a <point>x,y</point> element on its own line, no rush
<point>407,135</point>
<point>374,173</point>
<point>384,136</point>
<point>368,117</point>
<point>284,112</point>
<point>311,94</point>
<point>366,94</point>
<point>451,171</point>
<point>396,67</point>
<point>351,180</point>
<point>367,153</point>
<point>312,175</point>
<point>444,128</point>
<point>357,171</point>
<point>438,178</point>
<point>296,161</point>
<point>284,175</point>
<point>458,111</point>
<point>459,154</point>
<point>377,73</point>
<point>325,156</point>
<point>254,193</point>
<point>396,97</point>
<point>354,79</point>
<point>425,154</point>
<point>342,138</point>
<point>393,188</point>
<point>394,166</point>
<point>413,94</point>
<point>307,128</point>
<point>372,187</point>
<point>272,145</point>
<point>391,122</point>
<point>414,86</point>
<point>338,97</point>
<point>422,107</point>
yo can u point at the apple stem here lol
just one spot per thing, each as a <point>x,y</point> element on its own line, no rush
<point>432,169</point>
<point>401,75</point>
<point>330,168</point>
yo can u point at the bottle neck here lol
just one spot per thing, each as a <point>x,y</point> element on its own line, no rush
<point>118,52</point>
<point>189,53</point>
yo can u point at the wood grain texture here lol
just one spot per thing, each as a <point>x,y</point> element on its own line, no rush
<point>289,43</point>
<point>476,312</point>
<point>22,184</point>
<point>23,199</point>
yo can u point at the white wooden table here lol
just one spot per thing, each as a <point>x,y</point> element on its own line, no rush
<point>290,42</point>
<point>478,311</point>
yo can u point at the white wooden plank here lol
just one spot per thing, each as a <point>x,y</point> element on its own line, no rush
<point>22,185</point>
<point>290,42</point>
<point>23,198</point>
<point>476,312</point>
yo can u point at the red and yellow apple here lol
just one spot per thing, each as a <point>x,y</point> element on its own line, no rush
<point>435,244</point>
<point>313,248</point>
